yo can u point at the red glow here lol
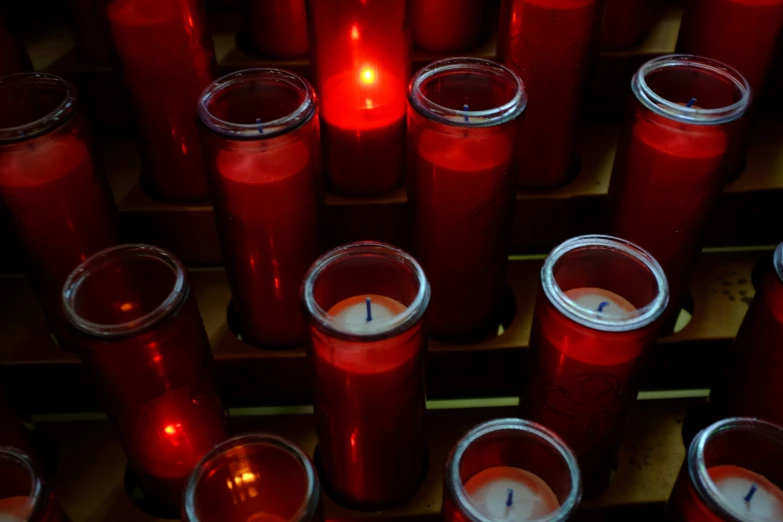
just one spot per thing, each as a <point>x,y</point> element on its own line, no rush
<point>354,32</point>
<point>368,75</point>
<point>127,307</point>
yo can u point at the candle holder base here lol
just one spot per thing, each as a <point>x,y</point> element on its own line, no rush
<point>143,501</point>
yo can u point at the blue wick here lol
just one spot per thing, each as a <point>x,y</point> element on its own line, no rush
<point>750,494</point>
<point>369,309</point>
<point>603,305</point>
<point>690,103</point>
<point>466,108</point>
<point>510,498</point>
<point>258,124</point>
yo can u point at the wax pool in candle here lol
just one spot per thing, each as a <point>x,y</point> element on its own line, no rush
<point>748,493</point>
<point>14,509</point>
<point>607,303</point>
<point>511,494</point>
<point>366,314</point>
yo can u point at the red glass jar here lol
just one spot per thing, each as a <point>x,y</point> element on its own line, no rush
<point>261,145</point>
<point>731,473</point>
<point>360,52</point>
<point>168,60</point>
<point>61,207</point>
<point>514,455</point>
<point>596,316</point>
<point>24,496</point>
<point>444,26</point>
<point>141,338</point>
<point>279,27</point>
<point>673,159</point>
<point>551,45</point>
<point>13,55</point>
<point>91,31</point>
<point>253,477</point>
<point>463,127</point>
<point>625,22</point>
<point>365,303</point>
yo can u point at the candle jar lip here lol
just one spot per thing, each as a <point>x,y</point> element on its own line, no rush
<point>778,261</point>
<point>462,118</point>
<point>633,320</point>
<point>692,115</point>
<point>251,131</point>
<point>60,111</point>
<point>170,305</point>
<point>35,505</point>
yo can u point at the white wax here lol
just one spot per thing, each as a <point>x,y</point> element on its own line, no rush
<point>734,484</point>
<point>608,304</point>
<point>532,498</point>
<point>350,315</point>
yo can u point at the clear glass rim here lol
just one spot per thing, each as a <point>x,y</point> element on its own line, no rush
<point>403,321</point>
<point>302,114</point>
<point>19,457</point>
<point>778,261</point>
<point>312,497</point>
<point>54,119</point>
<point>457,488</point>
<point>636,320</point>
<point>167,306</point>
<point>691,115</point>
<point>460,118</point>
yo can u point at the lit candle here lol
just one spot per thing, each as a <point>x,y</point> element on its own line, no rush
<point>513,494</point>
<point>607,303</point>
<point>748,493</point>
<point>366,314</point>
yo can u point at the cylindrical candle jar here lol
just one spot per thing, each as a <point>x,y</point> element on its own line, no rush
<point>625,22</point>
<point>444,26</point>
<point>61,207</point>
<point>13,55</point>
<point>24,496</point>
<point>365,303</point>
<point>260,138</point>
<point>141,338</point>
<point>253,477</point>
<point>361,59</point>
<point>279,27</point>
<point>679,139</point>
<point>597,314</point>
<point>463,127</point>
<point>731,473</point>
<point>167,59</point>
<point>551,45</point>
<point>91,31</point>
<point>510,469</point>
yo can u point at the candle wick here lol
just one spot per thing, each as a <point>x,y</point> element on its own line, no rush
<point>690,103</point>
<point>510,499</point>
<point>258,125</point>
<point>603,305</point>
<point>369,309</point>
<point>752,492</point>
<point>466,108</point>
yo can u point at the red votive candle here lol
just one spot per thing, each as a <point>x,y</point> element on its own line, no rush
<point>61,207</point>
<point>141,338</point>
<point>680,136</point>
<point>463,126</point>
<point>167,59</point>
<point>551,45</point>
<point>279,27</point>
<point>13,55</point>
<point>510,469</point>
<point>24,496</point>
<point>597,314</point>
<point>731,473</point>
<point>260,138</point>
<point>625,22</point>
<point>91,31</point>
<point>253,477</point>
<point>448,25</point>
<point>365,302</point>
<point>360,53</point>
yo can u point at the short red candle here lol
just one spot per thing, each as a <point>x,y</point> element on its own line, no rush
<point>91,31</point>
<point>167,59</point>
<point>463,126</point>
<point>260,137</point>
<point>24,496</point>
<point>60,206</point>
<point>625,22</point>
<point>551,45</point>
<point>279,27</point>
<point>13,55</point>
<point>361,59</point>
<point>587,362</point>
<point>448,25</point>
<point>141,338</point>
<point>368,374</point>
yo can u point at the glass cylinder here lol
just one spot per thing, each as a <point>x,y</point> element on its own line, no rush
<point>91,31</point>
<point>510,469</point>
<point>260,138</point>
<point>731,473</point>
<point>680,135</point>
<point>167,59</point>
<point>360,52</point>
<point>625,23</point>
<point>463,126</point>
<point>551,45</point>
<point>596,316</point>
<point>60,205</point>
<point>141,338</point>
<point>24,496</point>
<point>279,27</point>
<point>13,55</point>
<point>365,303</point>
<point>443,26</point>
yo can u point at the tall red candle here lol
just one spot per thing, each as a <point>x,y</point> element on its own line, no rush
<point>448,25</point>
<point>360,52</point>
<point>625,22</point>
<point>279,27</point>
<point>463,125</point>
<point>141,338</point>
<point>13,55</point>
<point>551,45</point>
<point>91,31</point>
<point>167,59</point>
<point>24,495</point>
<point>365,302</point>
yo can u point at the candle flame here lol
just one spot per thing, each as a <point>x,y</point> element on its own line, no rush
<point>171,429</point>
<point>368,103</point>
<point>368,75</point>
<point>127,307</point>
<point>355,32</point>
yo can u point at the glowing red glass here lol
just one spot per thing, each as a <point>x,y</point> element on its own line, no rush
<point>448,25</point>
<point>625,22</point>
<point>91,31</point>
<point>24,496</point>
<point>279,27</point>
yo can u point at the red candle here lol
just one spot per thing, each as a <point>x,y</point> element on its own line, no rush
<point>463,125</point>
<point>279,27</point>
<point>625,22</point>
<point>60,206</point>
<point>13,55</point>
<point>167,58</point>
<point>550,44</point>
<point>448,25</point>
<point>140,335</point>
<point>24,496</point>
<point>361,60</point>
<point>260,136</point>
<point>365,302</point>
<point>91,30</point>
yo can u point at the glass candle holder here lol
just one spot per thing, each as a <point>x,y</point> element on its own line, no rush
<point>167,59</point>
<point>24,496</point>
<point>510,469</point>
<point>596,315</point>
<point>463,127</point>
<point>444,26</point>
<point>279,27</point>
<point>261,144</point>
<point>731,473</point>
<point>141,338</point>
<point>625,23</point>
<point>13,55</point>
<point>253,477</point>
<point>551,45</point>
<point>365,303</point>
<point>61,207</point>
<point>91,32</point>
<point>361,59</point>
<point>680,136</point>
